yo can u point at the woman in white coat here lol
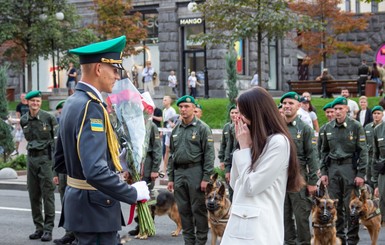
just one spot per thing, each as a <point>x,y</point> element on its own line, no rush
<point>262,169</point>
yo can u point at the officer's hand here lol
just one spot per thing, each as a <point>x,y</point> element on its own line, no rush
<point>55,180</point>
<point>154,175</point>
<point>376,192</point>
<point>325,180</point>
<point>142,190</point>
<point>170,186</point>
<point>204,185</point>
<point>227,176</point>
<point>222,165</point>
<point>359,181</point>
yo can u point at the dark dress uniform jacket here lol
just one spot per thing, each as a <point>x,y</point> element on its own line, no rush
<point>82,153</point>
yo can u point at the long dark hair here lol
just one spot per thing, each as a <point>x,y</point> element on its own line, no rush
<point>258,106</point>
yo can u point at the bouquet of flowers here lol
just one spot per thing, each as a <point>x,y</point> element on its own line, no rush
<point>130,114</point>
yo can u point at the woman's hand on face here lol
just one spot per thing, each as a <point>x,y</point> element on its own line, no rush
<point>242,134</point>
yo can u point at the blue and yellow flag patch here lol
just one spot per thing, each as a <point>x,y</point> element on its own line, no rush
<point>97,125</point>
<point>362,138</point>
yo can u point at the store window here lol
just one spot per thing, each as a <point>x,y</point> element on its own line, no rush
<point>191,31</point>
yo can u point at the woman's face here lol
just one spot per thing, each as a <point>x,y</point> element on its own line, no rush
<point>363,104</point>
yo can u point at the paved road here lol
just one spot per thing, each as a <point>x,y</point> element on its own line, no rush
<point>16,223</point>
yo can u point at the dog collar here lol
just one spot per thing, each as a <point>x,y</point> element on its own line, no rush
<point>373,214</point>
<point>323,226</point>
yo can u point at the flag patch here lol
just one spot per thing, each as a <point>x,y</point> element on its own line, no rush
<point>362,138</point>
<point>97,125</point>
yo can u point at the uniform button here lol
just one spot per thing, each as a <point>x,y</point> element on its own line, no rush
<point>108,201</point>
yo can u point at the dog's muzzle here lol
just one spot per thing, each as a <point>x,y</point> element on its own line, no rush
<point>212,206</point>
<point>325,216</point>
<point>354,216</point>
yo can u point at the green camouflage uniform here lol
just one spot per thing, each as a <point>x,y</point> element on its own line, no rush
<point>226,150</point>
<point>298,203</point>
<point>39,132</point>
<point>191,161</point>
<point>344,156</point>
<point>153,157</point>
<point>378,175</point>
<point>369,130</point>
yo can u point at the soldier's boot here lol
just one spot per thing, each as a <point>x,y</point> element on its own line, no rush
<point>36,235</point>
<point>136,230</point>
<point>66,239</point>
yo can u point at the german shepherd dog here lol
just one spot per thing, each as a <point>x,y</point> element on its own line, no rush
<point>165,204</point>
<point>324,217</point>
<point>367,211</point>
<point>218,207</point>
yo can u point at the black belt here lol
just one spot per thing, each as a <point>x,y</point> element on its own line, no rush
<point>37,153</point>
<point>341,161</point>
<point>186,166</point>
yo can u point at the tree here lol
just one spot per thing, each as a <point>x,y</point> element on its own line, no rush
<point>6,139</point>
<point>115,19</point>
<point>31,30</point>
<point>230,20</point>
<point>231,60</point>
<point>319,43</point>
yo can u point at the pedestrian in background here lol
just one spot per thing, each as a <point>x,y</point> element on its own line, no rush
<point>39,130</point>
<point>192,83</point>
<point>364,115</point>
<point>71,80</point>
<point>255,80</point>
<point>264,168</point>
<point>344,157</point>
<point>147,74</point>
<point>21,109</point>
<point>173,83</point>
<point>352,105</point>
<point>375,76</point>
<point>87,151</point>
<point>190,166</point>
<point>363,75</point>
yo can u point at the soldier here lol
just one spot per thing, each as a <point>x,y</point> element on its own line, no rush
<point>227,147</point>
<point>329,113</point>
<point>190,166</point>
<point>198,111</point>
<point>343,164</point>
<point>378,167</point>
<point>377,113</point>
<point>87,151</point>
<point>298,203</point>
<point>39,130</point>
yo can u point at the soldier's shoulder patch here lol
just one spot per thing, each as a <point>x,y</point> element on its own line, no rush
<point>362,138</point>
<point>209,139</point>
<point>314,140</point>
<point>97,125</point>
<point>328,133</point>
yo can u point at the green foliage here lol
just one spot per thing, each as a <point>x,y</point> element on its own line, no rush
<point>31,29</point>
<point>18,163</point>
<point>231,60</point>
<point>221,173</point>
<point>3,99</point>
<point>6,139</point>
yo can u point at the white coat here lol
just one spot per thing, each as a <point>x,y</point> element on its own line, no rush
<point>257,210</point>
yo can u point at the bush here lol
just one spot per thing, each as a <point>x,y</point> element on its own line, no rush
<point>18,163</point>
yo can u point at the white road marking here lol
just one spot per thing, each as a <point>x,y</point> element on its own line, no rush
<point>22,209</point>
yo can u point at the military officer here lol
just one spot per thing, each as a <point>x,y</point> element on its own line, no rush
<point>87,151</point>
<point>329,113</point>
<point>378,168</point>
<point>298,203</point>
<point>377,113</point>
<point>39,129</point>
<point>153,157</point>
<point>190,166</point>
<point>343,164</point>
<point>198,111</point>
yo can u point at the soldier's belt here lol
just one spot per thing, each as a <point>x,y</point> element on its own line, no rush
<point>186,166</point>
<point>79,184</point>
<point>341,161</point>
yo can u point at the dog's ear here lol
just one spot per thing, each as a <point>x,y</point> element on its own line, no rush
<point>209,188</point>
<point>316,200</point>
<point>363,195</point>
<point>353,195</point>
<point>335,202</point>
<point>214,177</point>
<point>222,190</point>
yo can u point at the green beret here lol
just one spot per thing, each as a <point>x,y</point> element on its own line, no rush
<point>199,106</point>
<point>187,99</point>
<point>33,94</point>
<point>339,101</point>
<point>290,95</point>
<point>328,106</point>
<point>377,108</point>
<point>60,104</point>
<point>109,51</point>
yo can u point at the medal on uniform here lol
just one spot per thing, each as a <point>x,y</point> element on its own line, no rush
<point>193,135</point>
<point>299,134</point>
<point>44,126</point>
<point>294,123</point>
<point>351,135</point>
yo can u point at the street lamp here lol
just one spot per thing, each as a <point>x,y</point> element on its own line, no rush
<point>192,5</point>
<point>59,16</point>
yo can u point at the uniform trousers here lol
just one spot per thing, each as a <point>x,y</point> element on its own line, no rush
<point>341,185</point>
<point>299,204</point>
<point>191,204</point>
<point>104,238</point>
<point>41,188</point>
<point>381,189</point>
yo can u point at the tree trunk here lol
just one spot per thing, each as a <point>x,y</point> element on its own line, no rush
<point>259,59</point>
